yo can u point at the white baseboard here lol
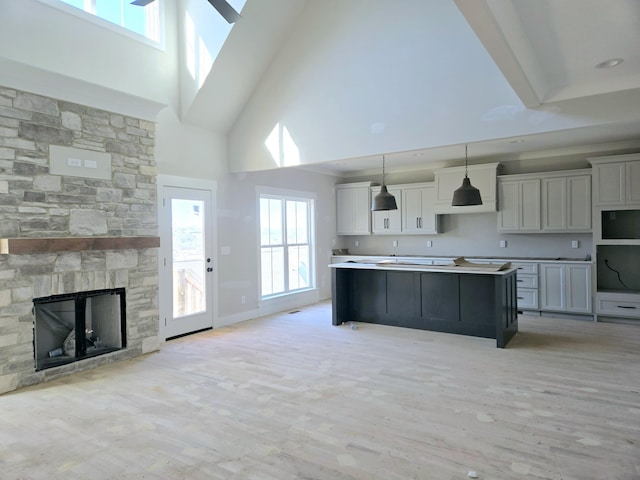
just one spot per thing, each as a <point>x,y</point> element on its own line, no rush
<point>271,306</point>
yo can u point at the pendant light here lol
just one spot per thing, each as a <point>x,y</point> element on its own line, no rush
<point>467,194</point>
<point>384,200</point>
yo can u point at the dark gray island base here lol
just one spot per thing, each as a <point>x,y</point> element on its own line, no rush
<point>476,303</point>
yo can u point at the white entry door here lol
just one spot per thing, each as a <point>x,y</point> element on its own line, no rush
<point>186,263</point>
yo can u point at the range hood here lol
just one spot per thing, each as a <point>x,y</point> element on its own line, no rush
<point>484,177</point>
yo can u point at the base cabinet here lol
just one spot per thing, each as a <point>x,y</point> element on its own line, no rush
<point>527,285</point>
<point>618,304</point>
<point>475,304</point>
<point>565,288</point>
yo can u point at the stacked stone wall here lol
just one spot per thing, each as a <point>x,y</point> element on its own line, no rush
<point>34,203</point>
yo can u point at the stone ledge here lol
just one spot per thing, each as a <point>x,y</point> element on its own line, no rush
<point>18,246</point>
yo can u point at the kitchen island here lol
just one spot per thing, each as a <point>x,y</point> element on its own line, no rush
<point>468,300</point>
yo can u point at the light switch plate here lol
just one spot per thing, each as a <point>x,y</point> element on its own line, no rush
<point>575,244</point>
<point>503,244</point>
<point>429,243</point>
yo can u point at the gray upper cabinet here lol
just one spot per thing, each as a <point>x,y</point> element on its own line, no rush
<point>616,180</point>
<point>387,222</point>
<point>353,209</point>
<point>566,203</point>
<point>418,216</point>
<point>519,205</point>
<point>553,202</point>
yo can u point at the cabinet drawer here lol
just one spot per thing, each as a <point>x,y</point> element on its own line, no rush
<point>526,281</point>
<point>525,267</point>
<point>527,299</point>
<point>618,307</point>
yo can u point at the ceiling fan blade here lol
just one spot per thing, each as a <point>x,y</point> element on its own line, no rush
<point>142,3</point>
<point>226,10</point>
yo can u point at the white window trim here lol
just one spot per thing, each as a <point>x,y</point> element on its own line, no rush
<point>303,292</point>
<point>120,30</point>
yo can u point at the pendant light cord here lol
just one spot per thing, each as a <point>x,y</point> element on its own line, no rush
<point>466,161</point>
<point>383,170</point>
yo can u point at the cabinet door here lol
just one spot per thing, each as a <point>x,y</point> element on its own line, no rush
<point>529,198</point>
<point>388,221</point>
<point>610,185</point>
<point>552,291</point>
<point>633,183</point>
<point>554,201</point>
<point>579,203</point>
<point>508,198</point>
<point>578,288</point>
<point>344,211</point>
<point>519,205</point>
<point>353,215</point>
<point>411,210</point>
<point>428,219</point>
<point>361,211</point>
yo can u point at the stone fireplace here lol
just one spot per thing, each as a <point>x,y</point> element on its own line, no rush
<point>68,232</point>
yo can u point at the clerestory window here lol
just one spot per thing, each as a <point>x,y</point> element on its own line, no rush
<point>144,21</point>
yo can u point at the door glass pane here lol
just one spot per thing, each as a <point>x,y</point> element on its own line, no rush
<point>189,263</point>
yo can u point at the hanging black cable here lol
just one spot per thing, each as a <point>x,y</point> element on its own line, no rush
<point>606,262</point>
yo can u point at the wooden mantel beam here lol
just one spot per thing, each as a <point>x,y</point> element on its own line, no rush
<point>74,244</point>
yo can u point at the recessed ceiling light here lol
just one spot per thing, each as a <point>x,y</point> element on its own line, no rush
<point>612,62</point>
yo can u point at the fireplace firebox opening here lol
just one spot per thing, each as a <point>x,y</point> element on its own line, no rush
<point>71,327</point>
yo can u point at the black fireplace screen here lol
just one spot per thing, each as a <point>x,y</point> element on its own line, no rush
<point>75,326</point>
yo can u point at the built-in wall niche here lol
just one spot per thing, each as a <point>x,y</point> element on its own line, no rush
<point>620,224</point>
<point>618,268</point>
<point>71,327</point>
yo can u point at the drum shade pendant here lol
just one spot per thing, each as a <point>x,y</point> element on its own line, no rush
<point>467,194</point>
<point>384,200</point>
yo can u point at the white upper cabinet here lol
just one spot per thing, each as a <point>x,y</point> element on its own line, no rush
<point>418,215</point>
<point>616,180</point>
<point>519,205</point>
<point>566,203</point>
<point>353,209</point>
<point>540,203</point>
<point>483,177</point>
<point>388,221</point>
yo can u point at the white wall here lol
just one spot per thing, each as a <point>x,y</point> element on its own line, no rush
<point>471,235</point>
<point>188,151</point>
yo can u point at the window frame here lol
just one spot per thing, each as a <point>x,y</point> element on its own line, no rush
<point>159,44</point>
<point>287,195</point>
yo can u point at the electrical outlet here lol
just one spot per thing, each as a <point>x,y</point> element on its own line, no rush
<point>429,244</point>
<point>357,243</point>
<point>395,243</point>
<point>243,300</point>
<point>575,243</point>
<point>503,244</point>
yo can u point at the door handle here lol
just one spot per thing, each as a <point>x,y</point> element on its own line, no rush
<point>209,269</point>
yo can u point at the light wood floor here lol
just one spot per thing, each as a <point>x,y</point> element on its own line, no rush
<point>292,397</point>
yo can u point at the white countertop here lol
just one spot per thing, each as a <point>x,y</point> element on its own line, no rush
<point>417,267</point>
<point>364,258</point>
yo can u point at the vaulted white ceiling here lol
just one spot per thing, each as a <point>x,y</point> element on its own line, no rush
<point>548,51</point>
